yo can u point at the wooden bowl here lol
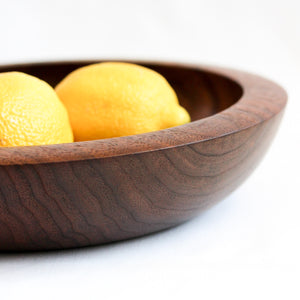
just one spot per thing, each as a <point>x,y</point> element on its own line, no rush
<point>95,192</point>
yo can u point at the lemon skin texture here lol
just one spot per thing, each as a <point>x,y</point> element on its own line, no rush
<point>114,99</point>
<point>31,113</point>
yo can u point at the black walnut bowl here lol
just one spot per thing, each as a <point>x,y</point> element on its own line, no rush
<point>95,192</point>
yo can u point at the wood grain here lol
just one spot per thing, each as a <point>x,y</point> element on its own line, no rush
<point>87,193</point>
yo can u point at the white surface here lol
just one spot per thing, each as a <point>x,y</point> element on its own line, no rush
<point>248,246</point>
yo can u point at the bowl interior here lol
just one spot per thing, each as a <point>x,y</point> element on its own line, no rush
<point>202,93</point>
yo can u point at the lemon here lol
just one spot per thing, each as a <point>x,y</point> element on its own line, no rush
<point>115,99</point>
<point>30,112</point>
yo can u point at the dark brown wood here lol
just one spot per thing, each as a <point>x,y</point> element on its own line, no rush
<point>87,193</point>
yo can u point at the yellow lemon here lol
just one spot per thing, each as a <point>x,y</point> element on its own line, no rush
<point>115,99</point>
<point>30,112</point>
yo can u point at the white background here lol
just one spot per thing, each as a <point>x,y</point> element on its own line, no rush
<point>246,247</point>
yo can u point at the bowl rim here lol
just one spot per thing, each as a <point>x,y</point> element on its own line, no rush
<point>261,100</point>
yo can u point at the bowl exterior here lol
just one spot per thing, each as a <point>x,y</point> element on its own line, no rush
<point>88,202</point>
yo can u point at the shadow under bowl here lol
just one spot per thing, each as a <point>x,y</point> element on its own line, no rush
<point>95,192</point>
